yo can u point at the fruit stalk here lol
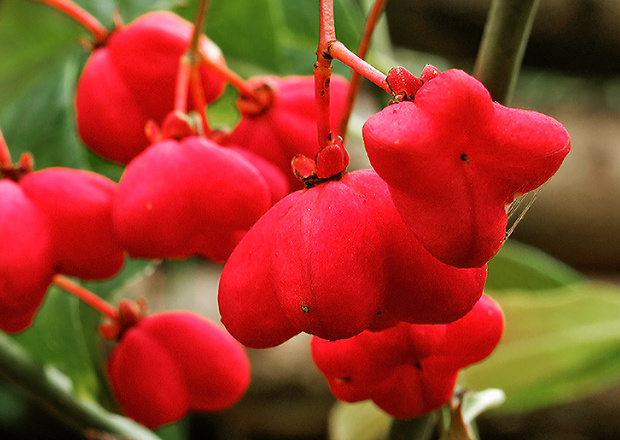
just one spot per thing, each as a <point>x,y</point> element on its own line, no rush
<point>339,51</point>
<point>81,16</point>
<point>188,79</point>
<point>354,83</point>
<point>323,72</point>
<point>87,296</point>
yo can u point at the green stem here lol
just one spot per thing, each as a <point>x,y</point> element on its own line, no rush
<point>503,45</point>
<point>48,388</point>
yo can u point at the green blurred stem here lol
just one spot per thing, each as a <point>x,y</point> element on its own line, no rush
<point>50,389</point>
<point>503,45</point>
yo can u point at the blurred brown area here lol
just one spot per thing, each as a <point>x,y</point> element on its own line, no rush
<point>580,36</point>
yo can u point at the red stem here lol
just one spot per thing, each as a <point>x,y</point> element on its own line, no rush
<point>81,16</point>
<point>340,52</point>
<point>87,296</point>
<point>323,72</point>
<point>231,77</point>
<point>188,78</point>
<point>5,155</point>
<point>182,85</point>
<point>354,83</point>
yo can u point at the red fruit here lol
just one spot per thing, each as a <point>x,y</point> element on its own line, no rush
<point>131,80</point>
<point>454,160</point>
<point>285,122</point>
<point>334,260</point>
<point>190,197</point>
<point>171,363</point>
<point>78,208</point>
<point>408,370</point>
<point>276,180</point>
<point>26,263</point>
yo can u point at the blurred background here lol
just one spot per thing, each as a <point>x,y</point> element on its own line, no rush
<point>556,279</point>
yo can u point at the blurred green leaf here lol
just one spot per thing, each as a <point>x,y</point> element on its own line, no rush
<point>519,266</point>
<point>40,120</point>
<point>275,36</point>
<point>558,345</point>
<point>65,332</point>
<point>53,390</point>
<point>56,337</point>
<point>419,428</point>
<point>358,421</point>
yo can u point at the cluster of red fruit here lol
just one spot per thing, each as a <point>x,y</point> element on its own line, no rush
<point>385,267</point>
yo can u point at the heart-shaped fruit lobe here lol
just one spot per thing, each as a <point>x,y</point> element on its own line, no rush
<point>190,197</point>
<point>285,124</point>
<point>78,208</point>
<point>171,363</point>
<point>26,258</point>
<point>409,370</point>
<point>454,160</point>
<point>336,259</point>
<point>131,80</point>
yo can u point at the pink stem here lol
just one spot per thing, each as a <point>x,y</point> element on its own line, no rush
<point>340,52</point>
<point>323,72</point>
<point>81,16</point>
<point>87,296</point>
<point>5,155</point>
<point>354,83</point>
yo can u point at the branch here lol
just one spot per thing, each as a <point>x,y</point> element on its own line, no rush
<point>48,387</point>
<point>503,45</point>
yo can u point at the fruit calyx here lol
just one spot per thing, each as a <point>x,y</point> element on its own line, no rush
<point>262,99</point>
<point>129,314</point>
<point>177,125</point>
<point>404,85</point>
<point>16,171</point>
<point>329,164</point>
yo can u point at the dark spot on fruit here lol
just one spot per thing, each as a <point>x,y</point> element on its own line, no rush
<point>305,309</point>
<point>464,158</point>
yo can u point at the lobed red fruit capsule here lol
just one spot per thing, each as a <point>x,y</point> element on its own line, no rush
<point>26,261</point>
<point>408,370</point>
<point>282,124</point>
<point>454,160</point>
<point>78,208</point>
<point>191,197</point>
<point>54,221</point>
<point>131,80</point>
<point>334,260</point>
<point>171,363</point>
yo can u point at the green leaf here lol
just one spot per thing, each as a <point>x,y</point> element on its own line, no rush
<point>518,266</point>
<point>275,36</point>
<point>558,345</point>
<point>65,333</point>
<point>358,421</point>
<point>57,337</point>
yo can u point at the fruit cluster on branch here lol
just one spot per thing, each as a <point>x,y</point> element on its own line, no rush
<point>385,267</point>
